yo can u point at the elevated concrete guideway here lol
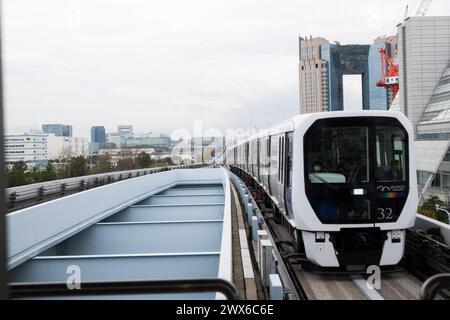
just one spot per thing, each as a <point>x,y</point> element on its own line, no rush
<point>190,225</point>
<point>169,225</point>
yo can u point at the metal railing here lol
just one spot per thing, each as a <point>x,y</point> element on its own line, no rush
<point>60,290</point>
<point>431,287</point>
<point>40,190</point>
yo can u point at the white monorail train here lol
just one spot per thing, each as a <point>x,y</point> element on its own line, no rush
<point>344,181</point>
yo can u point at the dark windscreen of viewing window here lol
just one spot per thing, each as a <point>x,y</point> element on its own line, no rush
<point>338,154</point>
<point>356,169</point>
<point>390,145</point>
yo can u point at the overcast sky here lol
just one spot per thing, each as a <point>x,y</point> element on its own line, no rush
<point>161,65</point>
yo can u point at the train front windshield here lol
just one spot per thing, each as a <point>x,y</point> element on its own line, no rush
<point>356,169</point>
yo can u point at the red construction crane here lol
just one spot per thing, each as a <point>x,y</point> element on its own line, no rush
<point>389,69</point>
<point>389,73</point>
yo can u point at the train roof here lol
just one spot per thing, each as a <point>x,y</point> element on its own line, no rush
<point>298,120</point>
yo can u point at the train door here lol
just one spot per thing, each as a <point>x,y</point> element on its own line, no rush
<point>276,169</point>
<point>240,156</point>
<point>288,173</point>
<point>254,162</point>
<point>257,159</point>
<point>281,170</point>
<point>243,156</point>
<point>246,157</point>
<point>250,158</point>
<point>266,170</point>
<point>273,169</point>
<point>261,154</point>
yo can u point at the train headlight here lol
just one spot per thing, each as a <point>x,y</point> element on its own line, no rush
<point>396,236</point>
<point>358,192</point>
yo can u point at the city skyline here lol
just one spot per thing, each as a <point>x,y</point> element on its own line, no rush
<point>227,71</point>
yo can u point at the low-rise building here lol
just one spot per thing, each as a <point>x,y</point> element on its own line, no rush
<point>30,148</point>
<point>60,148</point>
<point>116,154</point>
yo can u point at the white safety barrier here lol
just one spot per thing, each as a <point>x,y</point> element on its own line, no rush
<point>36,190</point>
<point>425,223</point>
<point>266,259</point>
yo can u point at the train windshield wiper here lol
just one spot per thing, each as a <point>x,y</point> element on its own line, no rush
<point>324,181</point>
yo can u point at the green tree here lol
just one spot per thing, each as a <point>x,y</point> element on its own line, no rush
<point>126,161</point>
<point>78,166</point>
<point>143,160</point>
<point>37,175</point>
<point>126,164</point>
<point>49,173</point>
<point>428,213</point>
<point>102,164</point>
<point>430,203</point>
<point>64,170</point>
<point>429,206</point>
<point>167,161</point>
<point>19,175</point>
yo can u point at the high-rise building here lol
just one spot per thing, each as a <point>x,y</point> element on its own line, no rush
<point>59,130</point>
<point>392,41</point>
<point>98,134</point>
<point>322,67</point>
<point>423,56</point>
<point>313,76</point>
<point>125,131</point>
<point>424,97</point>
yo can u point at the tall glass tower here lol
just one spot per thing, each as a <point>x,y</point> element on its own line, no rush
<point>323,65</point>
<point>59,130</point>
<point>98,134</point>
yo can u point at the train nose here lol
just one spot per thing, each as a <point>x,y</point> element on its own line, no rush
<point>359,246</point>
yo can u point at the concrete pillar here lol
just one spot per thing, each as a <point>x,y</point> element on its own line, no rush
<point>275,287</point>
